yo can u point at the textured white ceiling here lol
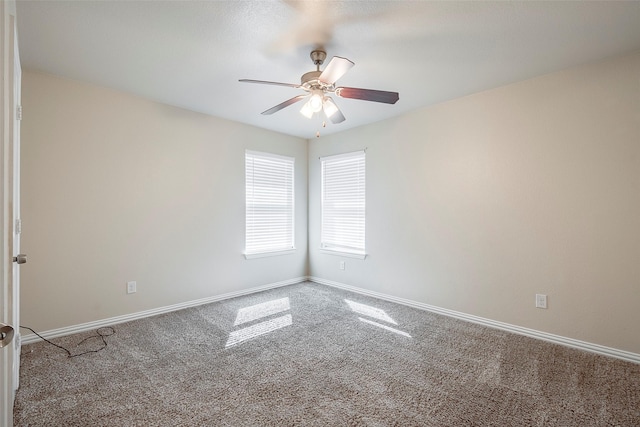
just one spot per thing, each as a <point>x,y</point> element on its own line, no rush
<point>191,53</point>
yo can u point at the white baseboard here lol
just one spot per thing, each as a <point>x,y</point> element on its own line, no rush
<point>557,339</point>
<point>53,333</point>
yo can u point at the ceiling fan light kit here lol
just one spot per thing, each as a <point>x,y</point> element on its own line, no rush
<point>306,110</point>
<point>315,101</point>
<point>318,84</point>
<point>330,108</point>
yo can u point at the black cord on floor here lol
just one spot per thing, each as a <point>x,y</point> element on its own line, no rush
<point>102,333</point>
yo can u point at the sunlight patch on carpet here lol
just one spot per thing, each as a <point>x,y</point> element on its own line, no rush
<point>244,334</point>
<point>367,310</point>
<point>258,311</point>
<point>388,328</point>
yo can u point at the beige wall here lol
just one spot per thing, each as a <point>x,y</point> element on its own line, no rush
<point>477,204</point>
<point>117,188</point>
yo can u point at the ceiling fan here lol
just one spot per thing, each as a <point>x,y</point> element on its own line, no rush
<point>318,84</point>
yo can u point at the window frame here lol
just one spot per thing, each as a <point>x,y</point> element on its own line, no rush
<point>334,239</point>
<point>251,249</point>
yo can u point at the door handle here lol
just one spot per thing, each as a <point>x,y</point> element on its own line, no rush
<point>20,259</point>
<point>6,335</point>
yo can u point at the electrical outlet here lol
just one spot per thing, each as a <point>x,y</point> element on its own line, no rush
<point>541,301</point>
<point>341,265</point>
<point>131,287</point>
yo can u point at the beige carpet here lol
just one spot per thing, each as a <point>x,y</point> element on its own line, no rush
<point>311,355</point>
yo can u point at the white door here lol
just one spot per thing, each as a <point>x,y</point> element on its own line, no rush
<point>17,222</point>
<point>10,195</point>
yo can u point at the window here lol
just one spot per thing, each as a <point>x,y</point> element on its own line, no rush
<point>343,203</point>
<point>269,204</point>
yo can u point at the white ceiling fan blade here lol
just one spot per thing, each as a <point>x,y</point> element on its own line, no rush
<point>335,69</point>
<point>332,111</point>
<point>269,83</point>
<point>284,104</point>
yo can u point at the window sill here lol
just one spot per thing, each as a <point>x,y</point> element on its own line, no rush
<point>347,254</point>
<point>267,254</point>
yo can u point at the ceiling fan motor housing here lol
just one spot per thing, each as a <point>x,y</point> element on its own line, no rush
<point>310,77</point>
<point>310,81</point>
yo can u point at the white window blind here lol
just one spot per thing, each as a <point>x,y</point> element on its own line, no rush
<point>343,203</point>
<point>269,202</point>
